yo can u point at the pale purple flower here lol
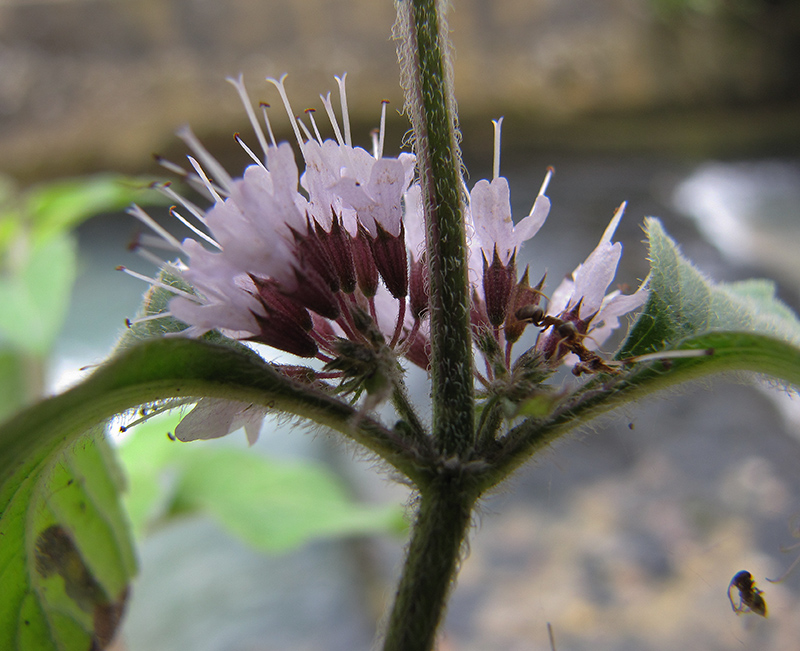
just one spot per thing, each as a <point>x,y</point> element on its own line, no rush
<point>351,179</point>
<point>582,298</point>
<point>283,262</point>
<point>378,198</point>
<point>490,212</point>
<point>495,239</point>
<point>212,418</point>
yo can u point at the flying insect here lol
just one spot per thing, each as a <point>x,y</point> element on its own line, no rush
<point>750,599</point>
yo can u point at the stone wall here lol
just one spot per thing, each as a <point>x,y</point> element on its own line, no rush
<point>95,84</point>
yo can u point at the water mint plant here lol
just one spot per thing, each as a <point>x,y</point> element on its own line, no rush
<point>359,265</point>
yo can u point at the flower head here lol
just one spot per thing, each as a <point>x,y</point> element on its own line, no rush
<point>582,300</point>
<point>293,257</point>
<point>503,304</point>
<point>496,238</point>
<point>490,212</point>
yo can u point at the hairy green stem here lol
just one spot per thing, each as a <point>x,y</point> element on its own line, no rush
<point>442,522</point>
<point>423,53</point>
<point>445,505</point>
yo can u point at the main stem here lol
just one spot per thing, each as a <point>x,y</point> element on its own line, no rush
<point>446,500</point>
<point>429,100</point>
<point>442,522</point>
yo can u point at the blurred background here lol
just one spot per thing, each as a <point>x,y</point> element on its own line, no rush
<point>624,537</point>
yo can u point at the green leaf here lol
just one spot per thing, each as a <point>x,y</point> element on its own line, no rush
<point>683,303</point>
<point>175,367</point>
<point>272,505</point>
<point>66,557</point>
<point>276,506</point>
<point>38,256</point>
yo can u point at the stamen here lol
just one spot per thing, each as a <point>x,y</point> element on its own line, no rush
<point>310,113</point>
<point>170,166</point>
<point>209,162</point>
<point>166,189</point>
<point>144,319</point>
<point>278,83</point>
<point>306,132</point>
<point>157,283</point>
<point>207,184</point>
<point>498,125</point>
<point>264,106</point>
<point>251,115</point>
<point>345,115</point>
<point>147,220</point>
<point>550,171</point>
<point>384,103</point>
<point>174,213</point>
<point>139,250</point>
<point>238,138</point>
<point>326,102</point>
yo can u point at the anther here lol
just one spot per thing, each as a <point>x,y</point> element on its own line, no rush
<point>310,113</point>
<point>264,106</point>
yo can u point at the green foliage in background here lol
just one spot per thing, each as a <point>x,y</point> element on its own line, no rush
<point>38,266</point>
<point>272,505</point>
